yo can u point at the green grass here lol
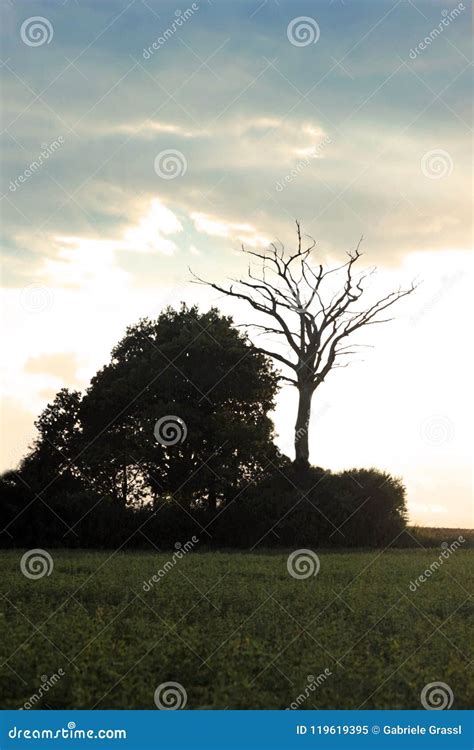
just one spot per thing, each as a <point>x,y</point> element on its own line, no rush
<point>236,630</point>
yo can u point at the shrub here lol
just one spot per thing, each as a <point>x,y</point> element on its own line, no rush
<point>288,508</point>
<point>360,507</point>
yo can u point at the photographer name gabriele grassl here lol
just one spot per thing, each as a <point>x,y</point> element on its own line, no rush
<point>417,729</point>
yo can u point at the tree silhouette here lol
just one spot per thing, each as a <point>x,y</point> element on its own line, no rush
<point>194,372</point>
<point>312,320</point>
<point>58,438</point>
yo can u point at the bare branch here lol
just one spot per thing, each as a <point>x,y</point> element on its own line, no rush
<point>293,292</point>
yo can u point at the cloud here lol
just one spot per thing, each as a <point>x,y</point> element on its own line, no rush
<point>218,227</point>
<point>83,263</point>
<point>147,129</point>
<point>17,423</point>
<point>60,365</point>
<point>152,232</point>
<point>92,263</point>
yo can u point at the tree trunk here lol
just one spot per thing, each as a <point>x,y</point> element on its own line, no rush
<point>305,394</point>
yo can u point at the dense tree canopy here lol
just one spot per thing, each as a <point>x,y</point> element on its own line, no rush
<point>199,369</point>
<point>180,412</point>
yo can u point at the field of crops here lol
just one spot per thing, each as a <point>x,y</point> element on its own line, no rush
<point>235,630</point>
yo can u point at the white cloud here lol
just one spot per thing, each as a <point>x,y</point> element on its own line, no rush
<point>218,227</point>
<point>153,230</point>
<point>83,262</point>
<point>150,128</point>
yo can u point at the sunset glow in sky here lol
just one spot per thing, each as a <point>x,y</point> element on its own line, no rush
<point>234,125</point>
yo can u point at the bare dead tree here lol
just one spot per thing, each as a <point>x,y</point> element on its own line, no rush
<point>291,291</point>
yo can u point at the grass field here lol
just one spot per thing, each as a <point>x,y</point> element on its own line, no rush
<point>236,630</point>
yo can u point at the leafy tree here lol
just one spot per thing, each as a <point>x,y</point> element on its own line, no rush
<point>58,439</point>
<point>47,471</point>
<point>198,369</point>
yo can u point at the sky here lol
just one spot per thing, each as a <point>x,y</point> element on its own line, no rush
<point>140,138</point>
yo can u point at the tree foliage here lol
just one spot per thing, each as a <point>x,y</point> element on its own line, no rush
<point>188,370</point>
